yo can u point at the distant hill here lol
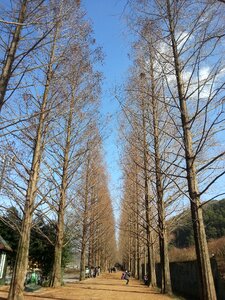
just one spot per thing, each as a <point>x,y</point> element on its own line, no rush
<point>214,219</point>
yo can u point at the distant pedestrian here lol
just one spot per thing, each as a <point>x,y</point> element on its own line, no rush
<point>92,272</point>
<point>127,277</point>
<point>99,270</point>
<point>146,279</point>
<point>122,276</point>
<point>95,272</point>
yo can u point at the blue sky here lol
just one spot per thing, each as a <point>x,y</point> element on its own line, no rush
<point>110,31</point>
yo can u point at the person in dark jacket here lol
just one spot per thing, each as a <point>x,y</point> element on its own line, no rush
<point>127,276</point>
<point>146,279</point>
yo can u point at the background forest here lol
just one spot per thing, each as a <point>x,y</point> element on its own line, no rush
<point>214,219</point>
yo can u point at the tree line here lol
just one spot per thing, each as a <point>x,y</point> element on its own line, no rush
<point>172,129</point>
<point>51,161</point>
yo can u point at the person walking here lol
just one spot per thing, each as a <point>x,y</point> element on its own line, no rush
<point>146,279</point>
<point>127,277</point>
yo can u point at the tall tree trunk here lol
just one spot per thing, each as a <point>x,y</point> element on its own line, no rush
<point>85,225</point>
<point>7,68</point>
<point>56,279</point>
<point>138,257</point>
<point>21,263</point>
<point>164,259</point>
<point>91,237</point>
<point>205,273</point>
<point>137,261</point>
<point>57,270</point>
<point>148,212</point>
<point>133,238</point>
<point>145,262</point>
<point>129,247</point>
<point>137,238</point>
<point>57,266</point>
<point>150,246</point>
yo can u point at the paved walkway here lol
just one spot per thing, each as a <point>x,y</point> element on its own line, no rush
<point>105,287</point>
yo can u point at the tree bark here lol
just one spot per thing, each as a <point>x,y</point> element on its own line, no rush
<point>7,68</point>
<point>205,273</point>
<point>82,259</point>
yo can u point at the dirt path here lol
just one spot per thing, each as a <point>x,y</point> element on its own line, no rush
<point>104,287</point>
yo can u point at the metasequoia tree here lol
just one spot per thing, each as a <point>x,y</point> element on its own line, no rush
<point>61,203</point>
<point>205,105</point>
<point>156,135</point>
<point>126,221</point>
<point>102,227</point>
<point>145,123</point>
<point>20,268</point>
<point>148,204</point>
<point>136,245</point>
<point>80,86</point>
<point>98,246</point>
<point>132,224</point>
<point>191,62</point>
<point>84,217</point>
<point>37,106</point>
<point>58,94</point>
<point>153,108</point>
<point>137,186</point>
<point>102,245</point>
<point>128,234</point>
<point>86,200</point>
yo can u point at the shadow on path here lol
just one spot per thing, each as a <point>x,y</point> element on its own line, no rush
<point>121,291</point>
<point>102,288</point>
